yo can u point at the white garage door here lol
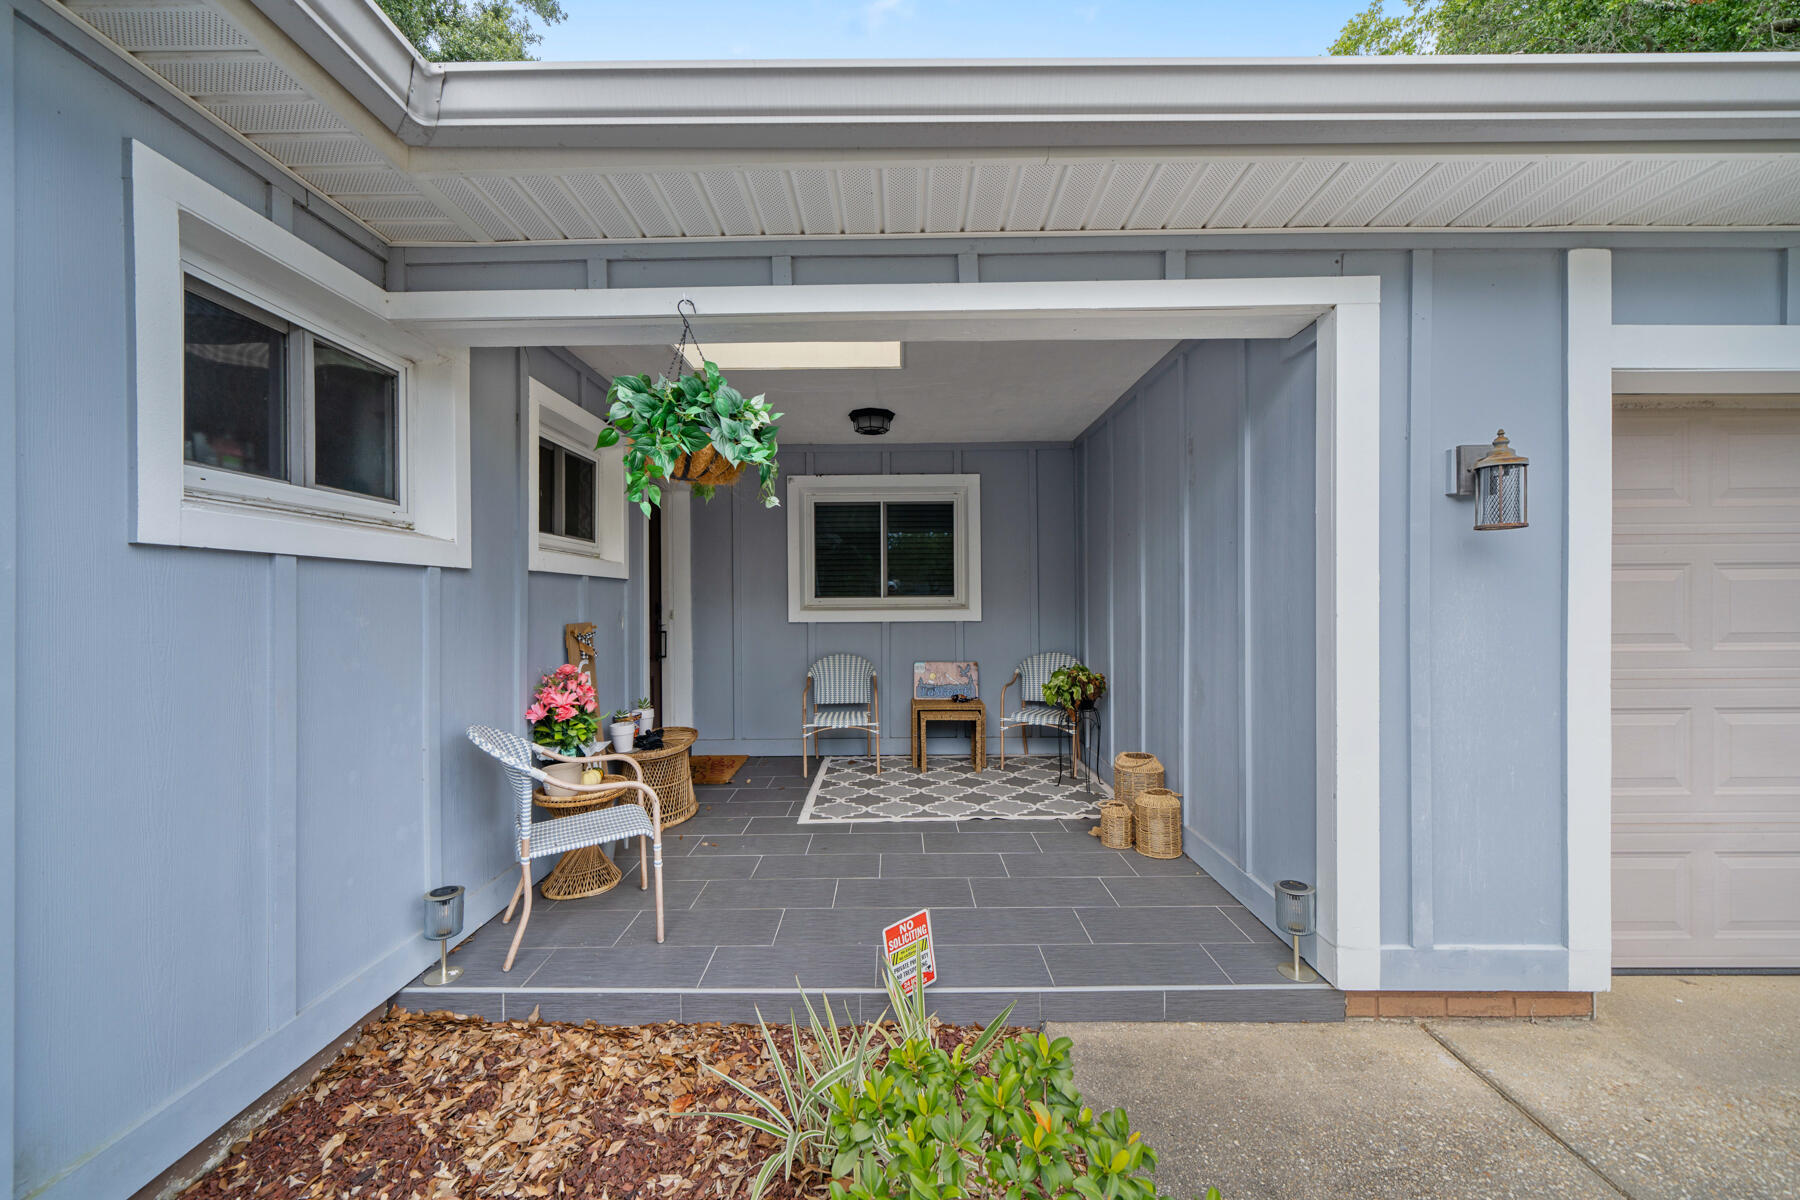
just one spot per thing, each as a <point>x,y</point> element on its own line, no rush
<point>1706,687</point>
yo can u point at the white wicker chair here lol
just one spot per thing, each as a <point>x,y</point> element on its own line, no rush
<point>1031,676</point>
<point>562,834</point>
<point>841,693</point>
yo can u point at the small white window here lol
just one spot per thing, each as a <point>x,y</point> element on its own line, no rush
<point>277,408</point>
<point>577,493</point>
<point>264,399</point>
<point>884,548</point>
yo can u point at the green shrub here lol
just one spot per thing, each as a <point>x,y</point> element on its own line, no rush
<point>935,1124</point>
<point>929,1126</point>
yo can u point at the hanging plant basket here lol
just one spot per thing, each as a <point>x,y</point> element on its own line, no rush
<point>692,428</point>
<point>707,468</point>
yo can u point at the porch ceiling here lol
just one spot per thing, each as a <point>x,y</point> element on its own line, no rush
<point>422,154</point>
<point>992,391</point>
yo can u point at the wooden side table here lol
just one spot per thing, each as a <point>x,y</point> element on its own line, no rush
<point>586,871</point>
<point>670,771</point>
<point>974,712</point>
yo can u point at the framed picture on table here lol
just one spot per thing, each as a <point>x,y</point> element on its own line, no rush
<point>943,680</point>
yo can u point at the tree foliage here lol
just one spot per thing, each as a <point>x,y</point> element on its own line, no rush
<point>1573,27</point>
<point>472,30</point>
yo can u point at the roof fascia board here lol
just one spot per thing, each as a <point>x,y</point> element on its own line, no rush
<point>363,53</point>
<point>979,105</point>
<point>976,105</point>
<point>446,160</point>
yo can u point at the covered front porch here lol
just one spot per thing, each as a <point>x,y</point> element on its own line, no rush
<point>1033,913</point>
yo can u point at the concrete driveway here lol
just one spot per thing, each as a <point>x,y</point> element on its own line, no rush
<point>1683,1087</point>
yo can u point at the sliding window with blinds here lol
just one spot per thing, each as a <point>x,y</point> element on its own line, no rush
<point>880,547</point>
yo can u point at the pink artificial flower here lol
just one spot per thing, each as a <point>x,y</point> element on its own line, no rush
<point>588,705</point>
<point>564,712</point>
<point>536,713</point>
<point>566,670</point>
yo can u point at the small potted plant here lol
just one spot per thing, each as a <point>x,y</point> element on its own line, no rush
<point>695,429</point>
<point>646,716</point>
<point>622,726</point>
<point>1074,688</point>
<point>564,717</point>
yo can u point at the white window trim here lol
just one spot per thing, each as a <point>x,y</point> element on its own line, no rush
<point>182,226</point>
<point>556,419</point>
<point>804,493</point>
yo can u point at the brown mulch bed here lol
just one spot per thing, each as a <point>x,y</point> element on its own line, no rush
<point>435,1106</point>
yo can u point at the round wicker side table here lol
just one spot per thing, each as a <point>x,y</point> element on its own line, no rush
<point>586,871</point>
<point>670,772</point>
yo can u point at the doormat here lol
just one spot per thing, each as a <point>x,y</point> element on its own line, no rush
<point>848,789</point>
<point>717,768</point>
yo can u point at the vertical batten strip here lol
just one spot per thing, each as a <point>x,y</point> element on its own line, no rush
<point>1422,461</point>
<point>281,867</point>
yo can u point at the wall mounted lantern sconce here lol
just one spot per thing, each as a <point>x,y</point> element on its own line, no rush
<point>443,921</point>
<point>871,421</point>
<point>1295,903</point>
<point>1495,476</point>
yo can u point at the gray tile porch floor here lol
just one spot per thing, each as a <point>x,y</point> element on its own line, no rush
<point>1036,912</point>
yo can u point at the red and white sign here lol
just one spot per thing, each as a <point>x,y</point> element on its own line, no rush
<point>906,948</point>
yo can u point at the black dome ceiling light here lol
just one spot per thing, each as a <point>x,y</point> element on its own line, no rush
<point>871,421</point>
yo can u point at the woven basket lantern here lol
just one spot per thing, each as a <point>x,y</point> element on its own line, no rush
<point>1115,826</point>
<point>1135,772</point>
<point>1158,821</point>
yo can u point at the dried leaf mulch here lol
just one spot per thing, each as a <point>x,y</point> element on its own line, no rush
<point>438,1106</point>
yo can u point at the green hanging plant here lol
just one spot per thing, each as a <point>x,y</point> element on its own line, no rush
<point>695,429</point>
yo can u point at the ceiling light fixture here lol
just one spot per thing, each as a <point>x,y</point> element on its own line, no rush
<point>799,356</point>
<point>871,421</point>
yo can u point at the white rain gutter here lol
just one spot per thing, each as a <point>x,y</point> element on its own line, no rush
<point>1662,100</point>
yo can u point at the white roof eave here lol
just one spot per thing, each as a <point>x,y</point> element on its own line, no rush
<point>1030,104</point>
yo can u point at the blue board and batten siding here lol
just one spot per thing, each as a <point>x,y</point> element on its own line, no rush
<point>750,660</point>
<point>285,734</point>
<point>1197,557</point>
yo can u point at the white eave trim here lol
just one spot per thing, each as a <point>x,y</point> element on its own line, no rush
<point>979,104</point>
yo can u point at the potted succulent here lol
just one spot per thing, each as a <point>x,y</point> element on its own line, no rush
<point>564,717</point>
<point>646,716</point>
<point>623,728</point>
<point>1074,688</point>
<point>694,429</point>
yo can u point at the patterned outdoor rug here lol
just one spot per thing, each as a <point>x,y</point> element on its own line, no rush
<point>847,789</point>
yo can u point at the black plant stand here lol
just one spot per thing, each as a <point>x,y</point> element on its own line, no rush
<point>1087,736</point>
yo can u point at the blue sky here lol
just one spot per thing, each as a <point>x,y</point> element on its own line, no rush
<point>704,29</point>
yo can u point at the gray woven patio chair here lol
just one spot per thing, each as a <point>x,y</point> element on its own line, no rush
<point>562,834</point>
<point>841,693</point>
<point>1031,676</point>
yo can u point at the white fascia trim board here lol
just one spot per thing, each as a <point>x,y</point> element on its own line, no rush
<point>604,316</point>
<point>802,488</point>
<point>1348,612</point>
<point>1680,349</point>
<point>1587,633</point>
<point>551,415</point>
<point>363,52</point>
<point>178,217</point>
<point>979,103</point>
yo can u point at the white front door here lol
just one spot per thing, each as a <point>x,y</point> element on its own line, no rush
<point>1706,686</point>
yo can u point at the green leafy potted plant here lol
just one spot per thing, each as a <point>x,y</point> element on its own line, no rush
<point>1074,688</point>
<point>694,429</point>
<point>646,716</point>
